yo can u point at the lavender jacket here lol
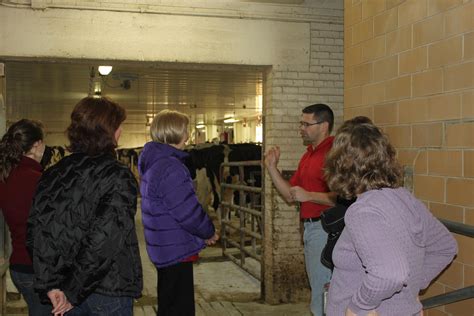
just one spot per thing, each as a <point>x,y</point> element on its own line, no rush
<point>391,248</point>
<point>174,221</point>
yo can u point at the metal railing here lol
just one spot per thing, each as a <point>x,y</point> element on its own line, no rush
<point>456,295</point>
<point>458,228</point>
<point>250,215</point>
<point>448,298</point>
<point>4,251</point>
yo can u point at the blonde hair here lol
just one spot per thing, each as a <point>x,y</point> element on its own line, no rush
<point>169,127</point>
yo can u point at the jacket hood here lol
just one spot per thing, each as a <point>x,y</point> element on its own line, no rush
<point>154,151</point>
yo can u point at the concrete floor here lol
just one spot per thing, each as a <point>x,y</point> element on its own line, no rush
<point>221,288</point>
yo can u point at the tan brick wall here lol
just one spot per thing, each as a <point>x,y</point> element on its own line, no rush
<point>409,65</point>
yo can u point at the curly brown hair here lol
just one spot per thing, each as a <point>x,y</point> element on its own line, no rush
<point>360,160</point>
<point>93,125</point>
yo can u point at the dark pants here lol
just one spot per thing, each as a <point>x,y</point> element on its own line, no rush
<point>176,290</point>
<point>102,305</point>
<point>24,284</point>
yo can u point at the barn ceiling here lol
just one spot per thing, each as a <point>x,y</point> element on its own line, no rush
<point>208,93</point>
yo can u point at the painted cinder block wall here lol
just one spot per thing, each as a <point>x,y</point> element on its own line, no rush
<point>288,90</point>
<point>409,65</point>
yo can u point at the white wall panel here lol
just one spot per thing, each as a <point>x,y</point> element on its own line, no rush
<point>59,33</point>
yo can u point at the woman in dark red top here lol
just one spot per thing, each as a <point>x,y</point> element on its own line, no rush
<point>21,150</point>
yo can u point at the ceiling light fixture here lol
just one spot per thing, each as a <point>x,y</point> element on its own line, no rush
<point>231,120</point>
<point>97,89</point>
<point>104,70</point>
<point>200,126</point>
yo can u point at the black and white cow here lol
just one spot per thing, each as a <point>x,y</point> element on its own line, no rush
<point>51,155</point>
<point>129,157</point>
<point>211,158</point>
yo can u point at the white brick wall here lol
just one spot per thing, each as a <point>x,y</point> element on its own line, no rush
<point>289,89</point>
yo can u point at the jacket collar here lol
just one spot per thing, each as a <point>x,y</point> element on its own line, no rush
<point>168,150</point>
<point>31,163</point>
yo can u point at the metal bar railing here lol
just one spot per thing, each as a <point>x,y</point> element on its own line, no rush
<point>237,262</point>
<point>242,163</point>
<point>4,268</point>
<point>243,209</point>
<point>243,249</point>
<point>458,228</point>
<point>239,187</point>
<point>245,229</point>
<point>448,298</point>
<point>456,295</point>
<point>4,263</point>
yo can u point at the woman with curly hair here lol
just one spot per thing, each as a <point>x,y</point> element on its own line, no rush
<point>81,225</point>
<point>21,150</point>
<point>391,247</point>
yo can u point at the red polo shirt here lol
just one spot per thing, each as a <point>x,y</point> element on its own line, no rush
<point>16,195</point>
<point>310,176</point>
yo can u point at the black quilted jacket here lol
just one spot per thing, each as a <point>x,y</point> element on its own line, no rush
<point>81,229</point>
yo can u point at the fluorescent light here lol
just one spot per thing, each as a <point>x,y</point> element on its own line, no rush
<point>231,120</point>
<point>105,70</point>
<point>200,126</point>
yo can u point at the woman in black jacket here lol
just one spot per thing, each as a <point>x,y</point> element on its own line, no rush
<point>81,225</point>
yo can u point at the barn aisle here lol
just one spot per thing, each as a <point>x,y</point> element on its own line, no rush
<point>221,288</point>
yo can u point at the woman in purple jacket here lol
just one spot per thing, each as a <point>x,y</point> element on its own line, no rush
<point>176,226</point>
<point>391,247</point>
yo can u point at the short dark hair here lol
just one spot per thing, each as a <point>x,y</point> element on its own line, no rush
<point>93,125</point>
<point>322,112</point>
<point>17,141</point>
<point>360,160</point>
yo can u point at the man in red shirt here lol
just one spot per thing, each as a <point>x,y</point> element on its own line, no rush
<point>308,187</point>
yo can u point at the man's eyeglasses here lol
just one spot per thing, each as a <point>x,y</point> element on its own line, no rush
<point>306,124</point>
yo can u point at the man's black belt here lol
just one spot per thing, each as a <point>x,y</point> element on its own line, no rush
<point>311,219</point>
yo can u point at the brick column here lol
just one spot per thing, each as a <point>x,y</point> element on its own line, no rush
<point>288,90</point>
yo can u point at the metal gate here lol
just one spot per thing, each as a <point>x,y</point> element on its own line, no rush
<point>4,241</point>
<point>249,229</point>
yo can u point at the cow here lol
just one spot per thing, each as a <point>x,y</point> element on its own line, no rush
<point>129,157</point>
<point>51,155</point>
<point>208,158</point>
<point>212,156</point>
<point>204,163</point>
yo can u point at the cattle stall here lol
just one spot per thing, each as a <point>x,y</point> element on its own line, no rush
<point>249,210</point>
<point>226,183</point>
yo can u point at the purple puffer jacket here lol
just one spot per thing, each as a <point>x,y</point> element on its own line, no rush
<point>174,221</point>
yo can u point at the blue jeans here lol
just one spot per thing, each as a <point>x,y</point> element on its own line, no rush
<point>314,240</point>
<point>24,284</point>
<point>102,305</point>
